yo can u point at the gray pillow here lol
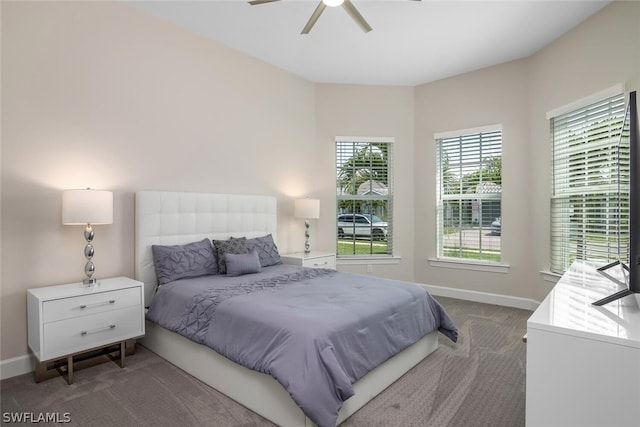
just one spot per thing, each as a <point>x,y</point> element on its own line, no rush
<point>182,261</point>
<point>239,264</point>
<point>266,248</point>
<point>232,246</point>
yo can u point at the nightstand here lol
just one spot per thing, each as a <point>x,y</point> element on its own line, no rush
<point>73,320</point>
<point>312,259</point>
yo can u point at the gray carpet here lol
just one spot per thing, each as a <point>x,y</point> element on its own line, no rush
<point>479,381</point>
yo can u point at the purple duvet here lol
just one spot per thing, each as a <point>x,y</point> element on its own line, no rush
<point>316,331</point>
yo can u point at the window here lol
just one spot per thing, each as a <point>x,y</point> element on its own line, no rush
<point>589,213</point>
<point>469,180</point>
<point>364,196</point>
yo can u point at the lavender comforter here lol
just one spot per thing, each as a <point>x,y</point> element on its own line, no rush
<point>316,331</point>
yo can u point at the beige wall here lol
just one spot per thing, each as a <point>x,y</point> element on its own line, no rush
<point>351,110</point>
<point>105,96</point>
<point>102,95</point>
<point>496,95</point>
<point>599,53</point>
<point>602,52</point>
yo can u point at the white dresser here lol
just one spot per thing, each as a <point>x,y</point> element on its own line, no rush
<point>583,361</point>
<point>312,259</point>
<point>66,320</point>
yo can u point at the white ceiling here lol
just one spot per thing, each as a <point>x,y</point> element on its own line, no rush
<point>412,42</point>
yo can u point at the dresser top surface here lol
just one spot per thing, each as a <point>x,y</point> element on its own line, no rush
<point>568,308</point>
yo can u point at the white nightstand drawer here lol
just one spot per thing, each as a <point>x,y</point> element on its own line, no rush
<point>321,262</point>
<point>312,259</point>
<point>78,334</point>
<point>82,305</point>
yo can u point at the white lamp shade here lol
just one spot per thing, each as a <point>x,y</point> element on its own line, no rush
<point>307,208</point>
<point>81,207</point>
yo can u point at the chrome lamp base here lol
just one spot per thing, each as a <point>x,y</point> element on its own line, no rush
<point>89,267</point>
<point>306,237</point>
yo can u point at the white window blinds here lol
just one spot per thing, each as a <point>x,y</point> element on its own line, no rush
<point>469,179</point>
<point>589,205</point>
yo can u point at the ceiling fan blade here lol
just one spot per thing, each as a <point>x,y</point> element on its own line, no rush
<point>255,2</point>
<point>314,17</point>
<point>353,12</point>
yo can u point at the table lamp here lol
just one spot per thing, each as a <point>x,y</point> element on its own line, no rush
<point>307,209</point>
<point>87,207</point>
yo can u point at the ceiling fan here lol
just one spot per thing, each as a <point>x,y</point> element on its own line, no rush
<point>346,4</point>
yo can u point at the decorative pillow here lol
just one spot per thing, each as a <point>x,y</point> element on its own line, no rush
<point>267,250</point>
<point>239,264</point>
<point>232,246</point>
<point>182,261</point>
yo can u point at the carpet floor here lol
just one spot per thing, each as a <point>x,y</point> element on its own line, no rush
<point>478,381</point>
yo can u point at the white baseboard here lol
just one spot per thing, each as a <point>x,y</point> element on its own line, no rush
<point>16,366</point>
<point>484,297</point>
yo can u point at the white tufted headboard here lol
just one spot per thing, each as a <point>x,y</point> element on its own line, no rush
<point>174,218</point>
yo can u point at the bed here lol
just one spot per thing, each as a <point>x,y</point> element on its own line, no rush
<point>164,219</point>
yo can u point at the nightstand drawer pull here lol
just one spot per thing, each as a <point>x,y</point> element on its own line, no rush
<point>111,301</point>
<point>92,331</point>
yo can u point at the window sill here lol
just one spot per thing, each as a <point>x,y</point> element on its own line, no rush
<point>549,276</point>
<point>494,267</point>
<point>367,260</point>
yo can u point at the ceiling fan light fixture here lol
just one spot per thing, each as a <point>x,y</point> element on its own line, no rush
<point>333,3</point>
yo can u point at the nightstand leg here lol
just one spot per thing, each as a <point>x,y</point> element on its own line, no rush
<point>69,370</point>
<point>40,372</point>
<point>122,353</point>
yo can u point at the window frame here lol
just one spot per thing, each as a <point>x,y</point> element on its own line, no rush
<point>470,135</point>
<point>584,212</point>
<point>387,199</point>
